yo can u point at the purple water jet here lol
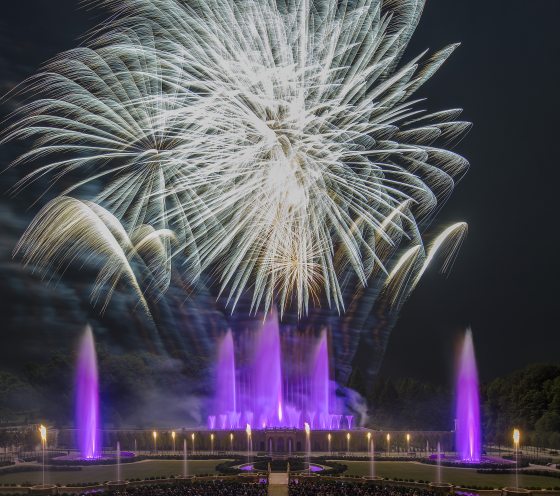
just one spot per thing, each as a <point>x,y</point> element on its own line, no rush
<point>267,371</point>
<point>467,435</point>
<point>87,398</point>
<point>320,384</point>
<point>226,384</point>
<point>256,386</point>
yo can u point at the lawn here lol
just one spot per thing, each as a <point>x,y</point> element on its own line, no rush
<point>101,473</point>
<point>457,476</point>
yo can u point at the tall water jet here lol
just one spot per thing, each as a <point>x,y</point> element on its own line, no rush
<point>226,383</point>
<point>185,466</point>
<point>371,449</point>
<point>87,398</point>
<point>268,374</point>
<point>438,463</point>
<point>467,435</point>
<point>320,383</point>
<point>118,454</point>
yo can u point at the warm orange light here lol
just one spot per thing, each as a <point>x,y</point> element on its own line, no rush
<point>408,438</point>
<point>154,434</point>
<point>348,436</point>
<point>329,436</point>
<point>212,437</point>
<point>388,437</point>
<point>231,437</point>
<point>192,436</point>
<point>43,432</point>
<point>369,436</point>
<point>516,436</point>
<point>173,435</point>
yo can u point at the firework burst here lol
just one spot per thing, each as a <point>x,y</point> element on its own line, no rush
<point>277,139</point>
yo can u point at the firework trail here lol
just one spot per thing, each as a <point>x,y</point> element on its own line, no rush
<point>274,145</point>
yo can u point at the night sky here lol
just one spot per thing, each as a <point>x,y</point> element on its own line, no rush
<point>506,77</point>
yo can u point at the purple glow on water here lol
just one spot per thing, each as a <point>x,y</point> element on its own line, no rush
<point>467,436</point>
<point>268,380</point>
<point>87,398</point>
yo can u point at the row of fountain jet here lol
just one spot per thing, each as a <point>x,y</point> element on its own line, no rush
<point>259,396</point>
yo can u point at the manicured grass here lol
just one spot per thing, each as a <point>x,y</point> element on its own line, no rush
<point>101,473</point>
<point>457,476</point>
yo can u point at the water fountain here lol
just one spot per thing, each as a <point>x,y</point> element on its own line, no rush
<point>118,483</point>
<point>87,399</point>
<point>371,453</point>
<point>467,433</point>
<point>439,486</point>
<point>438,464</point>
<point>185,473</point>
<point>254,385</point>
<point>118,461</point>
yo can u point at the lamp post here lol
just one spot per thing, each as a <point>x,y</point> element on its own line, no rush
<point>154,435</point>
<point>407,443</point>
<point>192,437</point>
<point>516,438</point>
<point>388,444</point>
<point>329,438</point>
<point>43,432</point>
<point>212,443</point>
<point>231,441</point>
<point>308,446</point>
<point>173,438</point>
<point>348,442</point>
<point>249,443</point>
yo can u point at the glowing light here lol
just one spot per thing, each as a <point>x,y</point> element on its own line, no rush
<point>348,436</point>
<point>154,434</point>
<point>43,433</point>
<point>248,429</point>
<point>408,438</point>
<point>231,437</point>
<point>307,428</point>
<point>192,436</point>
<point>388,437</point>
<point>369,436</point>
<point>276,139</point>
<point>516,436</point>
<point>173,435</point>
<point>329,437</point>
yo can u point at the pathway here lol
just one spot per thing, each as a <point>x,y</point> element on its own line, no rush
<point>278,484</point>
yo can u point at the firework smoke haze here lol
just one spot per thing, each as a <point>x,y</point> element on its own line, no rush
<point>275,145</point>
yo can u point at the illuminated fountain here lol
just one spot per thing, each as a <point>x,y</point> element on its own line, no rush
<point>468,443</point>
<point>255,386</point>
<point>87,399</point>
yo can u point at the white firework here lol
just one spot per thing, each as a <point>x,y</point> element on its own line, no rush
<point>277,138</point>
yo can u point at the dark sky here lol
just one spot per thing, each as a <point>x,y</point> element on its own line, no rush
<point>506,77</point>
